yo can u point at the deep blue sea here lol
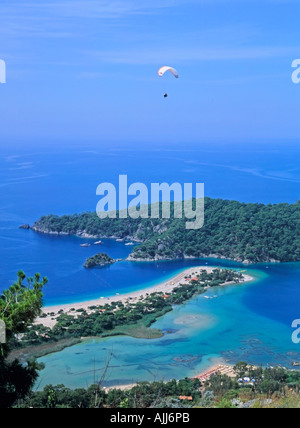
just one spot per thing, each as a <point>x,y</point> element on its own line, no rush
<point>252,322</point>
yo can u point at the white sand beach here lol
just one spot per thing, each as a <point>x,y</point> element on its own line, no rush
<point>53,312</point>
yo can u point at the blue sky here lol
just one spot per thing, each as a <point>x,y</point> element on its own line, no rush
<point>86,70</point>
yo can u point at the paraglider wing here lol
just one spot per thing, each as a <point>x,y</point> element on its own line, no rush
<point>164,69</point>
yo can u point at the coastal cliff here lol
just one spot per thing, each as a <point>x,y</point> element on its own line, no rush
<point>248,233</point>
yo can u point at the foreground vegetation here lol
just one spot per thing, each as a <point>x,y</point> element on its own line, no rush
<point>233,230</point>
<point>19,306</point>
<point>270,388</point>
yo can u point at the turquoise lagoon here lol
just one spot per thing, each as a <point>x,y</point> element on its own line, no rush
<point>250,322</point>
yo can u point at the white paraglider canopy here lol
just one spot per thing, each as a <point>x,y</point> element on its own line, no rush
<point>166,68</point>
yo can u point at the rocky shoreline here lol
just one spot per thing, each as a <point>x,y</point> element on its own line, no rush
<point>135,256</point>
<point>201,256</point>
<point>81,234</point>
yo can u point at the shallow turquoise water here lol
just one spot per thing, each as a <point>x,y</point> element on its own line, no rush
<point>196,334</point>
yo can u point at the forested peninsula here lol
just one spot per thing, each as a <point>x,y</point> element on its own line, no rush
<point>248,233</point>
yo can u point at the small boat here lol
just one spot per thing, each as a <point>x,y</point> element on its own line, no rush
<point>98,243</point>
<point>130,243</point>
<point>85,245</point>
